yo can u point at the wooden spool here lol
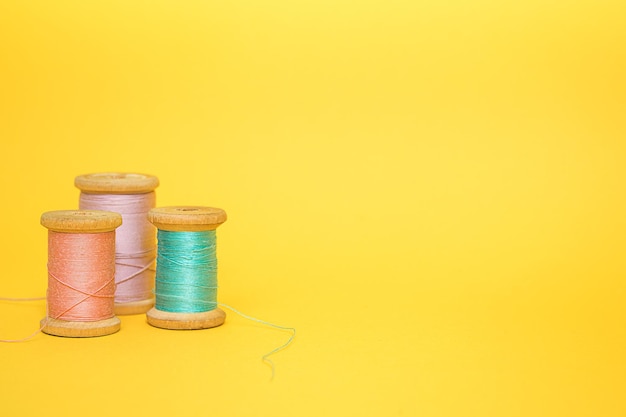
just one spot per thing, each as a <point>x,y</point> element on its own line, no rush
<point>121,183</point>
<point>80,221</point>
<point>116,183</point>
<point>186,219</point>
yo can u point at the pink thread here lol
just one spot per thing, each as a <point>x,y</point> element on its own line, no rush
<point>22,299</point>
<point>36,332</point>
<point>81,276</point>
<point>27,338</point>
<point>135,242</point>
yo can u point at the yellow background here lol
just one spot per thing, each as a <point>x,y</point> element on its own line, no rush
<point>431,192</point>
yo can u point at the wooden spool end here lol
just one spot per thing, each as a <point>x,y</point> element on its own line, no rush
<point>116,183</point>
<point>56,327</point>
<point>186,321</point>
<point>133,307</point>
<point>187,218</point>
<point>81,221</point>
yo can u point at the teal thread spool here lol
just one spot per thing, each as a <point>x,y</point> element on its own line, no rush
<point>186,277</point>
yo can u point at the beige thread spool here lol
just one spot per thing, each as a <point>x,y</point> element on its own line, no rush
<point>87,222</point>
<point>186,219</point>
<point>122,183</point>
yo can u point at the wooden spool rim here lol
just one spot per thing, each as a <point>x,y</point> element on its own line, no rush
<point>185,321</point>
<point>81,221</point>
<point>187,218</point>
<point>56,327</point>
<point>116,183</point>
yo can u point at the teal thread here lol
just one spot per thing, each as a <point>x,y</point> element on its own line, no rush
<point>186,279</point>
<point>266,358</point>
<point>186,276</point>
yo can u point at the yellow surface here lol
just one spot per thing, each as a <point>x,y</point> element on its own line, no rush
<point>431,192</point>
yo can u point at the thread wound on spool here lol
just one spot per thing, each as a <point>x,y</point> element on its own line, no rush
<point>186,280</point>
<point>81,276</point>
<point>81,273</point>
<point>135,242</point>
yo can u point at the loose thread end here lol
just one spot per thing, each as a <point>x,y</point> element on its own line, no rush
<point>27,338</point>
<point>270,363</point>
<point>36,332</point>
<point>22,299</point>
<point>265,357</point>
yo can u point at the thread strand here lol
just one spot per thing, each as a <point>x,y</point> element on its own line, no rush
<point>36,332</point>
<point>22,299</point>
<point>265,358</point>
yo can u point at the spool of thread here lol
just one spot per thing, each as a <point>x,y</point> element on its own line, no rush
<point>81,273</point>
<point>186,277</point>
<point>131,195</point>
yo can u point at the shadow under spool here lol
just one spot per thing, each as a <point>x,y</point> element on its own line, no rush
<point>185,219</point>
<point>89,223</point>
<point>120,184</point>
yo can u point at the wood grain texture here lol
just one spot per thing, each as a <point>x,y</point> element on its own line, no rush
<point>64,328</point>
<point>81,221</point>
<point>116,183</point>
<point>186,321</point>
<point>187,218</point>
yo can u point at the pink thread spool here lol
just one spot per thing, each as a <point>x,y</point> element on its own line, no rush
<point>131,195</point>
<point>81,273</point>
